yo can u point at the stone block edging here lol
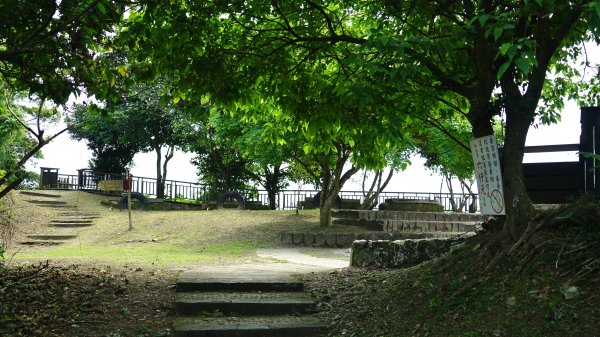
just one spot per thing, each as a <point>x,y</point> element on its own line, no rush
<point>346,240</point>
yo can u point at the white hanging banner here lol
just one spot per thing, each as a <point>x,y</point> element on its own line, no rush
<point>488,175</point>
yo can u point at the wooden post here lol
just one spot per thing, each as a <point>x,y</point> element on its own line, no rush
<point>590,142</point>
<point>129,198</point>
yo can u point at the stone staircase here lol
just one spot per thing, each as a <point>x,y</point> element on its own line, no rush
<point>238,302</point>
<point>67,217</point>
<point>407,221</point>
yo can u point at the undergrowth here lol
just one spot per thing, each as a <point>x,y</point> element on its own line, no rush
<point>549,287</point>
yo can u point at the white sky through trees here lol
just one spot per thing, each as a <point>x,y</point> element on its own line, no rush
<point>69,155</point>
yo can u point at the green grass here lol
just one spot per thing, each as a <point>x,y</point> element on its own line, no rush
<point>170,238</point>
<point>148,253</point>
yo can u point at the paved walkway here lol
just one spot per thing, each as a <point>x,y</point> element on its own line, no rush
<point>279,262</point>
<point>319,258</point>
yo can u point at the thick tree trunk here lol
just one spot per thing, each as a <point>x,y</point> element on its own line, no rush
<point>331,187</point>
<point>271,184</point>
<point>519,208</point>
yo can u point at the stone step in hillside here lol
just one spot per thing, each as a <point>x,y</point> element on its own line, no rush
<point>71,224</point>
<point>428,226</point>
<point>47,239</point>
<point>405,215</point>
<point>72,220</point>
<point>252,326</point>
<point>248,281</point>
<point>40,194</point>
<point>244,303</point>
<point>52,237</point>
<point>407,221</point>
<point>47,202</point>
<point>79,215</point>
<point>236,302</point>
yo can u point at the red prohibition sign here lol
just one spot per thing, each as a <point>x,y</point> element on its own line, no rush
<point>497,201</point>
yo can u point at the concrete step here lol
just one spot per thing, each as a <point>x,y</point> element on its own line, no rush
<point>72,220</point>
<point>47,202</point>
<point>52,237</point>
<point>263,326</point>
<point>41,243</point>
<point>246,303</point>
<point>405,215</point>
<point>80,214</point>
<point>40,194</point>
<point>245,280</point>
<point>428,226</point>
<point>58,206</point>
<point>71,224</point>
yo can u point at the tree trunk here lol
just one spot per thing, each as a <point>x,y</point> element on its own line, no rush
<point>271,185</point>
<point>10,187</point>
<point>519,208</point>
<point>160,186</point>
<point>331,187</point>
<point>372,195</point>
<point>448,179</point>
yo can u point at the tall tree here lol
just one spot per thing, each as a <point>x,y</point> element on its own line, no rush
<point>329,103</point>
<point>47,49</point>
<point>472,48</point>
<point>139,121</point>
<point>268,162</point>
<point>440,48</point>
<point>220,163</point>
<point>107,135</point>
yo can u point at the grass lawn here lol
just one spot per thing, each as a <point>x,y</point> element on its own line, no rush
<point>159,238</point>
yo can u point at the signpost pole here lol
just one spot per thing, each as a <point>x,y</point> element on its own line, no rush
<point>129,198</point>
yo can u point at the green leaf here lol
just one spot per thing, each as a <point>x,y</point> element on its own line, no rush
<point>498,32</point>
<point>483,19</point>
<point>523,65</point>
<point>503,69</point>
<point>307,148</point>
<point>504,48</point>
<point>101,8</point>
<point>122,70</point>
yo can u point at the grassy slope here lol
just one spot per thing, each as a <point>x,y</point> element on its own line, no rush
<point>454,296</point>
<point>173,238</point>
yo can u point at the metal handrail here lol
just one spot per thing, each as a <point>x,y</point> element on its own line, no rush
<point>285,200</point>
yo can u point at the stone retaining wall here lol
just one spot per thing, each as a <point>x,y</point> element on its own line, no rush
<point>400,253</point>
<point>345,240</point>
